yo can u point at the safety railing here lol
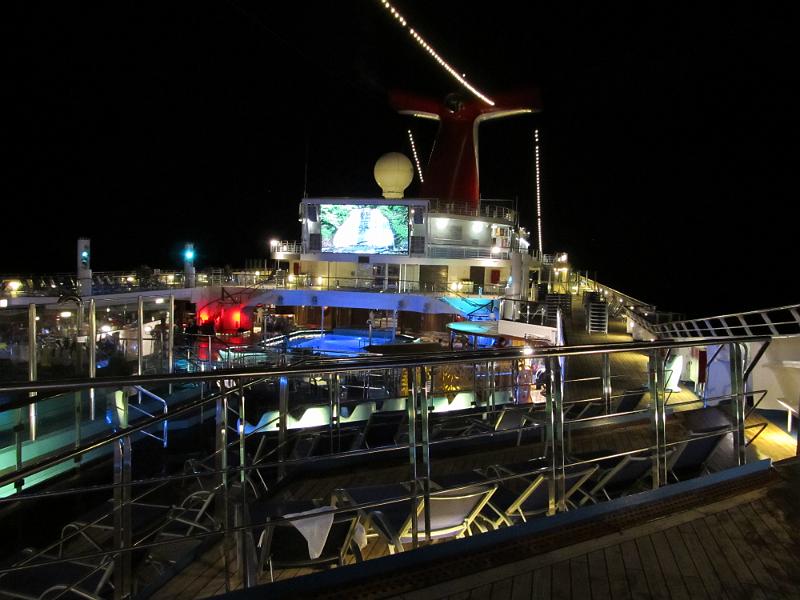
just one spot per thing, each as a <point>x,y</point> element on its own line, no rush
<point>491,211</point>
<point>782,320</point>
<point>287,247</point>
<point>379,284</point>
<point>252,451</point>
<point>468,252</point>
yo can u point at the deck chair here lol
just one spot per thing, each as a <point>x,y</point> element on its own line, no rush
<point>691,456</point>
<point>73,579</point>
<point>279,545</point>
<point>97,525</point>
<point>521,420</point>
<point>457,423</point>
<point>453,513</point>
<point>621,479</point>
<point>629,400</point>
<point>583,410</point>
<point>205,469</point>
<point>530,496</point>
<point>191,517</point>
<point>382,428</point>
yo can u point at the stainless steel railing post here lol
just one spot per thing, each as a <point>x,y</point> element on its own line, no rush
<point>606,375</point>
<point>655,373</point>
<point>242,453</point>
<point>92,354</point>
<point>411,408</point>
<point>515,385</point>
<point>424,407</point>
<point>32,368</point>
<point>123,577</point>
<point>171,338</point>
<point>555,408</point>
<point>331,407</point>
<point>244,543</point>
<point>222,469</point>
<point>283,411</point>
<point>737,402</point>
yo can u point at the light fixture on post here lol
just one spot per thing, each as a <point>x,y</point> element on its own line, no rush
<point>273,249</point>
<point>188,265</point>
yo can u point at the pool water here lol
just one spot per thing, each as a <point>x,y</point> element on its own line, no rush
<point>335,344</point>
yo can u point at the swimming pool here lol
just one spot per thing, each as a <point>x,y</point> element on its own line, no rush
<point>338,342</point>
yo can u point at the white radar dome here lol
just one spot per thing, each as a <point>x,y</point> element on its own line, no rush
<point>394,173</point>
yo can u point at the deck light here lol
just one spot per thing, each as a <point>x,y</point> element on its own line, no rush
<point>159,301</point>
<point>3,303</point>
<point>478,226</point>
<point>421,41</point>
<point>416,158</point>
<point>65,314</point>
<point>538,189</point>
<point>14,285</point>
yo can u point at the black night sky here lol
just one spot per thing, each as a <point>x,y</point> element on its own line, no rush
<point>669,134</point>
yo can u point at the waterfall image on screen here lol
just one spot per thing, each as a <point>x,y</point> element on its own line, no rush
<point>364,228</point>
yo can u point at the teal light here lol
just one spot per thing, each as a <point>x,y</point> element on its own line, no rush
<point>188,254</point>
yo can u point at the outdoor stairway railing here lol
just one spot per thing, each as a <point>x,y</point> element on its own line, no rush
<point>783,320</point>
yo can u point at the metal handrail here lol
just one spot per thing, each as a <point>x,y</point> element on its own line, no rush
<point>736,322</point>
<point>337,365</point>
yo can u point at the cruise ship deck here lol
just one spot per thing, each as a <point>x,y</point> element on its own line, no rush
<point>544,469</point>
<point>658,546</point>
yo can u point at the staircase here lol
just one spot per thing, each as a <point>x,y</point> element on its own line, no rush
<point>554,302</point>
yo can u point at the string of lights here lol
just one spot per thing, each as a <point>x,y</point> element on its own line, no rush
<point>416,158</point>
<point>538,189</point>
<point>443,63</point>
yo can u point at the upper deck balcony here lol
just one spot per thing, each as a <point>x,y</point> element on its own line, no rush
<point>489,209</point>
<point>342,229</point>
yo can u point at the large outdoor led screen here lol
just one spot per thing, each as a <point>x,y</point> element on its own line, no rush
<point>364,228</point>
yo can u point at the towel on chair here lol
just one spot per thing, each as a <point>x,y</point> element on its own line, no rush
<point>315,528</point>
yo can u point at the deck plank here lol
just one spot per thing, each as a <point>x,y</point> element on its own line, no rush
<point>762,579</point>
<point>579,577</point>
<point>618,581</point>
<point>759,547</point>
<point>598,575</point>
<point>634,571</point>
<point>701,562</point>
<point>560,584</point>
<point>501,590</point>
<point>542,582</point>
<point>669,567</point>
<point>727,577</point>
<point>522,586</point>
<point>684,563</point>
<point>652,570</point>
